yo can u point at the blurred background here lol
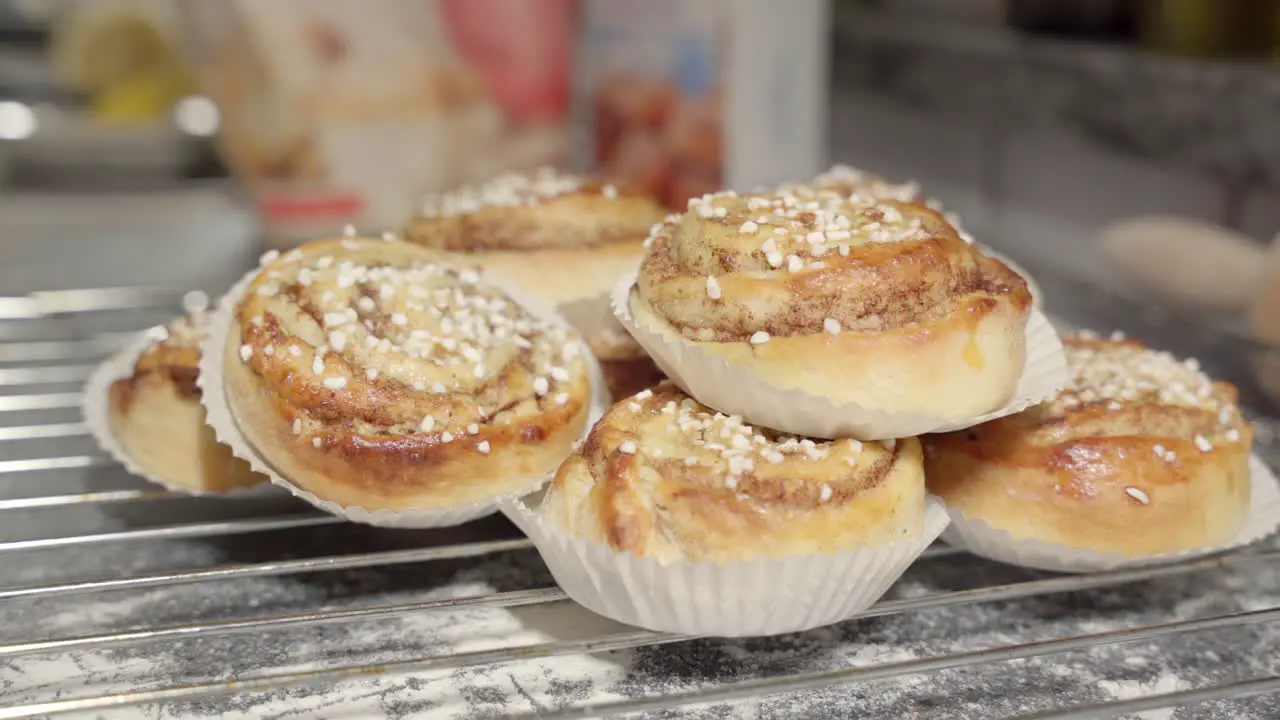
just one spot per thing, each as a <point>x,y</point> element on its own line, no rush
<point>1126,152</point>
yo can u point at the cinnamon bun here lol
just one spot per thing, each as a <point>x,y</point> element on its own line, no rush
<point>1142,454</point>
<point>663,477</point>
<point>877,303</point>
<point>156,416</point>
<point>561,237</point>
<point>846,180</point>
<point>373,374</point>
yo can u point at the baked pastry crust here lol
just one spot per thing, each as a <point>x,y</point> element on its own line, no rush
<point>1143,454</point>
<point>866,301</point>
<point>372,374</point>
<point>156,416</point>
<point>562,237</point>
<point>663,477</point>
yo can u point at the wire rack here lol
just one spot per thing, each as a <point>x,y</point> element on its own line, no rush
<point>117,596</point>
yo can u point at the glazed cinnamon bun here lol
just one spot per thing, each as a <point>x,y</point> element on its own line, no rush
<point>663,477</point>
<point>156,416</point>
<point>374,374</point>
<point>561,237</point>
<point>1142,454</point>
<point>858,300</point>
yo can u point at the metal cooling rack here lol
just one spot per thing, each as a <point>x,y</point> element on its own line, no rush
<point>49,342</point>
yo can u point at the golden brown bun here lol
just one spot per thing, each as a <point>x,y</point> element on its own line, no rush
<point>874,302</point>
<point>156,415</point>
<point>627,368</point>
<point>373,375</point>
<point>559,236</point>
<point>661,476</point>
<point>1142,455</point>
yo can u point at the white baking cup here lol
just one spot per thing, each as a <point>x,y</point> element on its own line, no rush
<point>730,388</point>
<point>592,316</point>
<point>95,407</point>
<point>220,416</point>
<point>739,598</point>
<point>992,543</point>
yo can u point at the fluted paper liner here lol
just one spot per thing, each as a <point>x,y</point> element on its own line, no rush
<point>222,419</point>
<point>592,316</point>
<point>740,598</point>
<point>982,539</point>
<point>718,383</point>
<point>95,407</point>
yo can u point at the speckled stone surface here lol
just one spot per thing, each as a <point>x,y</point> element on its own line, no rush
<point>1215,117</point>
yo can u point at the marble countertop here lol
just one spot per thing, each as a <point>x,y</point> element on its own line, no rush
<point>1216,117</point>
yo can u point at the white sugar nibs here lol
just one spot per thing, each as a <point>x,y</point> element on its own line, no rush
<point>1233,435</point>
<point>1138,495</point>
<point>541,386</point>
<point>338,340</point>
<point>713,288</point>
<point>399,319</point>
<point>794,263</point>
<point>246,352</point>
<point>335,383</point>
<point>268,257</point>
<point>774,259</point>
<point>559,374</point>
<point>831,325</point>
<point>473,428</point>
<point>628,447</point>
<point>690,461</point>
<point>371,373</point>
<point>644,394</point>
<point>158,334</point>
<point>1203,444</point>
<point>317,365</point>
<point>427,423</point>
<point>562,398</point>
<point>634,407</point>
<point>769,246</point>
<point>759,337</point>
<point>825,493</point>
<point>748,227</point>
<point>483,447</point>
<point>446,436</point>
<point>316,443</point>
<point>297,426</point>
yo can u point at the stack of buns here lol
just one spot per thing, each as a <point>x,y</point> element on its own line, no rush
<point>411,378</point>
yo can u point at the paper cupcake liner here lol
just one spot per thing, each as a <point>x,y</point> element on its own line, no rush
<point>95,407</point>
<point>592,316</point>
<point>221,418</point>
<point>980,538</point>
<point>740,598</point>
<point>730,388</point>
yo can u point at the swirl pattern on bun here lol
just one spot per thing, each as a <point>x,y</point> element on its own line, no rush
<point>663,477</point>
<point>862,300</point>
<point>373,374</point>
<point>1142,454</point>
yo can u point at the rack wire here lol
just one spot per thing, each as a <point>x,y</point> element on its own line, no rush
<point>38,379</point>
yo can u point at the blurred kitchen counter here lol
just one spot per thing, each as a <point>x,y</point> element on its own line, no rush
<point>193,237</point>
<point>1216,117</point>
